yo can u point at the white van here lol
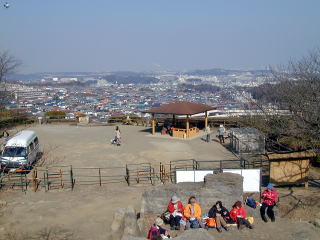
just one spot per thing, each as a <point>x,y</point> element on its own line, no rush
<point>20,151</point>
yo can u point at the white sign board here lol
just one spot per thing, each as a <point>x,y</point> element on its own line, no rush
<point>251,178</point>
<point>191,176</point>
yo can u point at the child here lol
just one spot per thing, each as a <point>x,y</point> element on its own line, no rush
<point>157,232</point>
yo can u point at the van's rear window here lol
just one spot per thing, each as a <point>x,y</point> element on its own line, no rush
<point>14,152</point>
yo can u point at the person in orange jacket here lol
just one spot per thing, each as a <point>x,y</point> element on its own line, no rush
<point>238,214</point>
<point>192,214</point>
<point>269,198</point>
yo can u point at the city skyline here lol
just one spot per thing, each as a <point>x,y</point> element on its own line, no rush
<point>79,36</point>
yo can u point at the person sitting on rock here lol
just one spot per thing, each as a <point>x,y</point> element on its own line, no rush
<point>192,214</point>
<point>175,208</point>
<point>269,198</point>
<point>238,214</point>
<point>220,214</point>
<point>157,231</point>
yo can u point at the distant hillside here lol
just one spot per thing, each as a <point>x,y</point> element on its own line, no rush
<point>130,78</point>
<point>199,88</point>
<point>220,72</point>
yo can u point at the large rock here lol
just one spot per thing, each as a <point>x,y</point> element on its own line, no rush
<point>194,234</point>
<point>226,187</point>
<point>117,225</point>
<point>198,234</point>
<point>316,222</point>
<point>132,238</point>
<point>131,227</point>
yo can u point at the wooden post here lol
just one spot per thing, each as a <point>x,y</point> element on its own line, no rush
<point>127,175</point>
<point>206,120</point>
<point>153,125</point>
<point>100,177</point>
<point>71,178</point>
<point>188,126</point>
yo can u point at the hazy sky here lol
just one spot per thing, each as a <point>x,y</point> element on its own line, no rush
<point>102,35</point>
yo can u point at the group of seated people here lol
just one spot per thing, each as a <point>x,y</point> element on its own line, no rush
<point>190,216</point>
<point>167,129</point>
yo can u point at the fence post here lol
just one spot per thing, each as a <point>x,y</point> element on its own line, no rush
<point>100,177</point>
<point>71,178</point>
<point>220,165</point>
<point>61,179</point>
<point>33,180</point>
<point>161,169</point>
<point>26,180</point>
<point>47,175</point>
<point>127,175</point>
<point>21,182</point>
<point>45,180</point>
<point>150,172</point>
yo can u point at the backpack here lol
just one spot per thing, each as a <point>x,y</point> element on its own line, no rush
<point>153,232</point>
<point>250,220</point>
<point>211,222</point>
<point>251,202</point>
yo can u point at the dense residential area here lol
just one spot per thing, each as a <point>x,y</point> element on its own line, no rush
<point>103,95</point>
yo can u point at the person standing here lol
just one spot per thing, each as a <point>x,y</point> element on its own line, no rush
<point>208,132</point>
<point>221,131</point>
<point>5,136</point>
<point>118,136</point>
<point>269,198</point>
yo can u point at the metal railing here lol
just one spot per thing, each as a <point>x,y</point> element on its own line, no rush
<point>67,176</point>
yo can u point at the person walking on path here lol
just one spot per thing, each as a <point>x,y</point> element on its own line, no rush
<point>269,198</point>
<point>208,132</point>
<point>5,137</point>
<point>118,136</point>
<point>221,131</point>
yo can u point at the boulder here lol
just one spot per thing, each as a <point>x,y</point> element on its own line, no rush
<point>226,187</point>
<point>316,222</point>
<point>118,224</point>
<point>199,234</point>
<point>132,238</point>
<point>131,227</point>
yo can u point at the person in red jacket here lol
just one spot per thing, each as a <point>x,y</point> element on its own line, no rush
<point>175,208</point>
<point>238,214</point>
<point>269,198</point>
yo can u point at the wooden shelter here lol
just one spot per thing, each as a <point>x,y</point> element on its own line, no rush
<point>181,109</point>
<point>290,168</point>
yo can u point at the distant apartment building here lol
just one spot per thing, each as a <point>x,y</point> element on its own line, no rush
<point>67,80</point>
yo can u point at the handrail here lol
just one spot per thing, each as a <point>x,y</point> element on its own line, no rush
<point>53,176</point>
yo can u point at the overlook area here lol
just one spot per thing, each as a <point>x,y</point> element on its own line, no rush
<point>87,211</point>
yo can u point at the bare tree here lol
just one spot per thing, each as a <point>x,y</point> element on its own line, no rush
<point>8,64</point>
<point>298,91</point>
